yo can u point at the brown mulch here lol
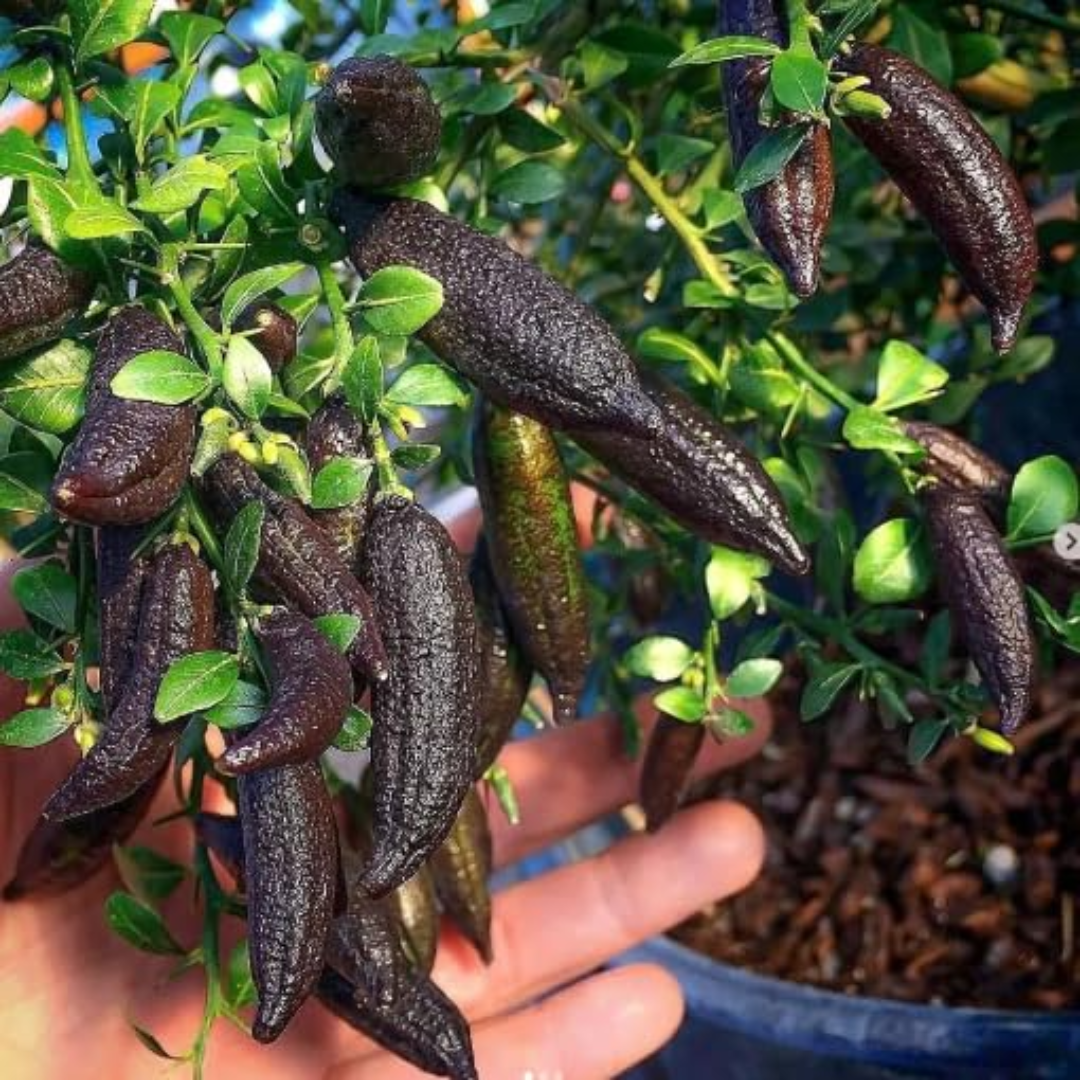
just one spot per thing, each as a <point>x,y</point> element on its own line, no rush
<point>956,882</point>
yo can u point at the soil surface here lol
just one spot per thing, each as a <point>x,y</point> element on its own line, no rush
<point>956,882</point>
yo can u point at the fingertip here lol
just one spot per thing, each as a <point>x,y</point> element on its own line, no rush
<point>726,840</point>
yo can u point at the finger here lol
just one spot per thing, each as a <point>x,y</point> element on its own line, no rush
<point>564,779</point>
<point>591,1031</point>
<point>559,926</point>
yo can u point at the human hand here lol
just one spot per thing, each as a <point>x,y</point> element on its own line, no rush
<point>69,989</point>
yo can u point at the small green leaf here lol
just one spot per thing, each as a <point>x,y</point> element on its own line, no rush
<point>600,65</point>
<point>162,376</point>
<point>188,33</point>
<point>870,429</point>
<point>21,157</point>
<point>729,580</point>
<point>242,545</point>
<point>754,678</point>
<point>195,682</point>
<point>247,289</point>
<point>486,98</point>
<point>892,565</point>
<point>800,81</point>
<point>33,727</point>
<point>48,592</point>
<point>341,482</point>
<point>139,925</point>
<point>428,384</point>
<point>770,156</point>
<point>340,630</point>
<point>23,655</point>
<point>675,153</point>
<point>525,133</point>
<point>906,377</point>
<point>400,300</point>
<point>182,187</point>
<point>247,377</point>
<point>100,220</point>
<point>924,738</point>
<point>415,456</point>
<point>143,104</point>
<point>826,683</point>
<point>100,25</point>
<point>1045,496</point>
<point>663,659</point>
<point>719,50</point>
<point>34,79</point>
<point>242,706</point>
<point>362,379</point>
<point>681,703</point>
<point>47,390</point>
<point>530,183</point>
<point>147,874</point>
<point>153,1044</point>
<point>355,733</point>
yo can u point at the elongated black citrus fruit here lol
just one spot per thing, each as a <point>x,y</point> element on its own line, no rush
<point>423,746</point>
<point>417,911</point>
<point>291,875</point>
<point>531,539</point>
<point>791,213</point>
<point>948,166</point>
<point>130,458</point>
<point>648,588</point>
<point>521,337</point>
<point>986,598</point>
<point>424,1027</point>
<point>334,432</point>
<point>298,564</point>
<point>275,332</point>
<point>377,121</point>
<point>59,856</point>
<point>121,578</point>
<point>505,673</point>
<point>176,618</point>
<point>665,775</point>
<point>699,472</point>
<point>39,295</point>
<point>461,868</point>
<point>310,694</point>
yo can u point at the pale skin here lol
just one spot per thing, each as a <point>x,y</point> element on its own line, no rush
<point>69,987</point>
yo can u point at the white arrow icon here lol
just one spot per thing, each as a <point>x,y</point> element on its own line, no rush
<point>1067,542</point>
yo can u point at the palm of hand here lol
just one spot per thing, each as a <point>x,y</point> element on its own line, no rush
<point>69,989</point>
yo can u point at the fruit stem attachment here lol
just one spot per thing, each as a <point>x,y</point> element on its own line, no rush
<point>80,168</point>
<point>207,340</point>
<point>650,186</point>
<point>814,377</point>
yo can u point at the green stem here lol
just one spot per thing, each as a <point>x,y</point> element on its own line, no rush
<point>708,650</point>
<point>384,464</point>
<point>689,234</point>
<point>203,530</point>
<point>799,24</point>
<point>208,341</point>
<point>343,335</point>
<point>794,359</point>
<point>80,167</point>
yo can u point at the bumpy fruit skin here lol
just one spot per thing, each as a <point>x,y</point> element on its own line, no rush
<point>39,295</point>
<point>531,536</point>
<point>176,618</point>
<point>370,983</point>
<point>949,167</point>
<point>291,874</point>
<point>130,459</point>
<point>505,673</point>
<point>462,867</point>
<point>525,340</point>
<point>956,463</point>
<point>310,694</point>
<point>699,472</point>
<point>59,856</point>
<point>298,563</point>
<point>423,746</point>
<point>665,775</point>
<point>277,333</point>
<point>378,122</point>
<point>791,213</point>
<point>121,578</point>
<point>986,597</point>
<point>335,432</point>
